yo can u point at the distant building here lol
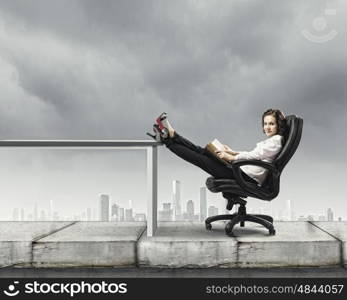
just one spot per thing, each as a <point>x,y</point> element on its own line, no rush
<point>176,200</point>
<point>330,214</point>
<point>121,214</point>
<point>203,204</point>
<point>212,211</point>
<point>42,216</point>
<point>189,215</point>
<point>190,208</point>
<point>166,214</point>
<point>114,212</point>
<point>129,215</point>
<point>104,207</point>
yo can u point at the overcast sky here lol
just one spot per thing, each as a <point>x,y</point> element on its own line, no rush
<point>106,69</point>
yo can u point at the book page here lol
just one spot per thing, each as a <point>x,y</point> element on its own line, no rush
<point>218,144</point>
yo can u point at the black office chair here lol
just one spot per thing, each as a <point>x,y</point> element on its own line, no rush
<point>234,190</point>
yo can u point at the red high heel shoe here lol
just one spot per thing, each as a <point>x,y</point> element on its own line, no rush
<point>159,120</point>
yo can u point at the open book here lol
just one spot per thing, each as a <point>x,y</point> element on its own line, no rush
<point>214,146</point>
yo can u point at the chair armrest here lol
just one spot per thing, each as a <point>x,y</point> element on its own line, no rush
<point>248,186</point>
<point>238,163</point>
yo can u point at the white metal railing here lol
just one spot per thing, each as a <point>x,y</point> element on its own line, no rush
<point>152,164</point>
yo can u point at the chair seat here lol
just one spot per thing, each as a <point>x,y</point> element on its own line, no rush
<point>226,185</point>
<point>231,185</point>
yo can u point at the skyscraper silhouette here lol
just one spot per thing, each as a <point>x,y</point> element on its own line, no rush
<point>114,212</point>
<point>121,214</point>
<point>176,199</point>
<point>104,207</point>
<point>203,204</point>
<point>190,210</point>
<point>330,214</point>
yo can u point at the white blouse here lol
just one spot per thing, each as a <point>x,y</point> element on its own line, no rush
<point>266,151</point>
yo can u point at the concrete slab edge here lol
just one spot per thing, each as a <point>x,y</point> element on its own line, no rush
<point>342,258</point>
<point>36,239</point>
<point>137,263</point>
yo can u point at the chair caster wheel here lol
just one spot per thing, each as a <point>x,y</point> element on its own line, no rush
<point>272,231</point>
<point>208,226</point>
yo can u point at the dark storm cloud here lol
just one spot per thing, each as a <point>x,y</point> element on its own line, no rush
<point>176,46</point>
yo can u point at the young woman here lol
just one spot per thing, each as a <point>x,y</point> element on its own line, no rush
<point>274,126</point>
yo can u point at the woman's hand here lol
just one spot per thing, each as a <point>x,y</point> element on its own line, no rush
<point>228,157</point>
<point>228,150</point>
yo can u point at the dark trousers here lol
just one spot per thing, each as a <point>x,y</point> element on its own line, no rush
<point>199,157</point>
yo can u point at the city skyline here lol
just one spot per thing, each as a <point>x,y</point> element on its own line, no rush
<point>107,210</point>
<point>18,214</point>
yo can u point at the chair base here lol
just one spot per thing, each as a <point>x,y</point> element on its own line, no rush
<point>240,217</point>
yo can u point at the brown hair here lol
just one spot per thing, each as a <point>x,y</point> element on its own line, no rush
<point>280,120</point>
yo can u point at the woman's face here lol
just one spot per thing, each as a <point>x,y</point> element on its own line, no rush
<point>270,125</point>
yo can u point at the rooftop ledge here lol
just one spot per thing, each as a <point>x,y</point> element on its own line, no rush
<point>174,245</point>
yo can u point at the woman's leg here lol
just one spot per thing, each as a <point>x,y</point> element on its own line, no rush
<point>185,142</point>
<point>197,156</point>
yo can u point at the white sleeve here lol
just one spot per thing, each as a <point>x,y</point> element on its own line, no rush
<point>264,150</point>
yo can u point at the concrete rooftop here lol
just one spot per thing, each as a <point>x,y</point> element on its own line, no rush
<point>176,245</point>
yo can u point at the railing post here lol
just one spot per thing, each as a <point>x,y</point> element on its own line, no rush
<point>152,189</point>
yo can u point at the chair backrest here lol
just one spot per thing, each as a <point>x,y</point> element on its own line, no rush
<point>270,188</point>
<point>292,139</point>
